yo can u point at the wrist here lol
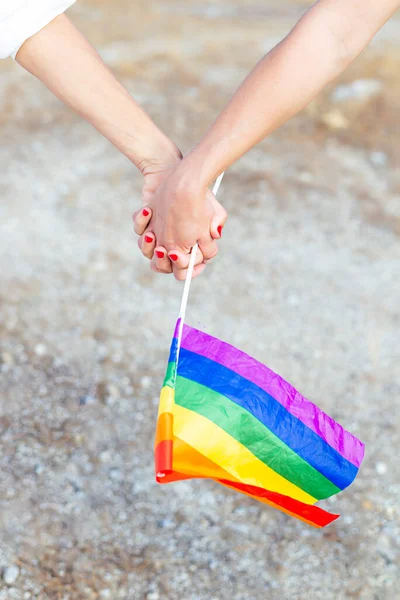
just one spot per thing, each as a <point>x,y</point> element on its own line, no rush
<point>192,172</point>
<point>162,155</point>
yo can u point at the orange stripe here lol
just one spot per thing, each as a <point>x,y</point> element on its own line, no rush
<point>188,463</point>
<point>165,426</point>
<point>187,460</point>
<point>191,462</point>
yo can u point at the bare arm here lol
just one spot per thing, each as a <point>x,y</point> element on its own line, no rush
<point>61,57</point>
<point>70,67</point>
<point>328,37</point>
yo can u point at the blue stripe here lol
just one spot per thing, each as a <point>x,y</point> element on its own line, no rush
<point>302,440</point>
<point>173,350</point>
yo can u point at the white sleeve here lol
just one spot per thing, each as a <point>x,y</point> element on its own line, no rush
<point>21,19</point>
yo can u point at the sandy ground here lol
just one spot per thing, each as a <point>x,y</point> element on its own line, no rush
<point>85,326</point>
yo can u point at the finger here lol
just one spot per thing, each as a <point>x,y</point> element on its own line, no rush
<point>209,248</point>
<point>153,267</point>
<point>141,219</point>
<point>181,260</point>
<point>180,275</point>
<point>218,222</point>
<point>161,261</point>
<point>147,244</point>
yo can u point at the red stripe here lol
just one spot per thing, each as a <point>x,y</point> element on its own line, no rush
<point>309,513</point>
<point>163,458</point>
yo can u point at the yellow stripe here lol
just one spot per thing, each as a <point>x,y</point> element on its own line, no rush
<point>166,401</point>
<point>217,445</point>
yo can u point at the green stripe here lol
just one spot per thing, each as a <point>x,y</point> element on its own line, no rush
<point>250,432</point>
<point>170,375</point>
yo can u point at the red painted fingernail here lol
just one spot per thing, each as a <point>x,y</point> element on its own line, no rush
<point>159,254</point>
<point>145,212</point>
<point>219,229</point>
<point>173,257</point>
<point>148,239</point>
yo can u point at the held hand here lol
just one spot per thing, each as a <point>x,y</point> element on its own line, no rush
<point>180,216</point>
<point>154,175</point>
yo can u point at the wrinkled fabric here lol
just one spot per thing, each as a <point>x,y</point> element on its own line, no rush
<point>225,416</point>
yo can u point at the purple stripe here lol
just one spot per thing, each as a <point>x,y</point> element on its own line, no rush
<point>334,434</point>
<point>177,328</point>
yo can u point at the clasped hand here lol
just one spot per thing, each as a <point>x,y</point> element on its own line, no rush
<point>176,214</point>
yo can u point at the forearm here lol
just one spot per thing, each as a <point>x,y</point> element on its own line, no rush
<point>317,50</point>
<point>61,57</point>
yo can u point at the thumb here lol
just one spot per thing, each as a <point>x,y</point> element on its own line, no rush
<point>218,221</point>
<point>219,217</point>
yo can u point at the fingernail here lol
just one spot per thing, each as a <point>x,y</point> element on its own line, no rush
<point>219,229</point>
<point>159,254</point>
<point>148,239</point>
<point>145,212</point>
<point>173,257</point>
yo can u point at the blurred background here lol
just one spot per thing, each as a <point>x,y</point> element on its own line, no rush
<point>307,281</point>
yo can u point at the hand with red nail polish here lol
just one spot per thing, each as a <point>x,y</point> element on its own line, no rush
<point>181,216</point>
<point>154,174</point>
<point>159,210</point>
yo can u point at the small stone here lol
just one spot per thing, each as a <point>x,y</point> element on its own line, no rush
<point>145,382</point>
<point>153,596</point>
<point>105,456</point>
<point>115,474</point>
<point>166,523</point>
<point>293,300</point>
<point>378,159</point>
<point>306,177</point>
<point>105,593</point>
<point>361,89</point>
<point>385,548</point>
<point>58,362</point>
<point>348,520</point>
<point>113,391</point>
<point>102,351</point>
<point>334,119</point>
<point>84,400</point>
<point>40,350</point>
<point>381,468</point>
<point>6,359</point>
<point>39,469</point>
<point>10,574</point>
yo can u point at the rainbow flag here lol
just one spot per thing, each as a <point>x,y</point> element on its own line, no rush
<point>225,416</point>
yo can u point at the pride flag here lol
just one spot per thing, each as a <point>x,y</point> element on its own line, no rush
<point>225,416</point>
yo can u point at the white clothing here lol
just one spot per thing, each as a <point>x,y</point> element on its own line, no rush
<point>21,19</point>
